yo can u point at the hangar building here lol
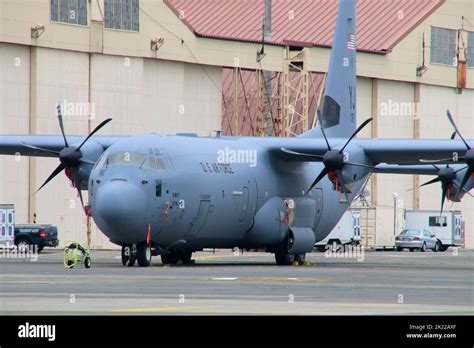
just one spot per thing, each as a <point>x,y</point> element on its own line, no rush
<point>170,66</point>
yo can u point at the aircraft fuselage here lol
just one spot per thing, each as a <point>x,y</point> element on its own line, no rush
<point>203,191</point>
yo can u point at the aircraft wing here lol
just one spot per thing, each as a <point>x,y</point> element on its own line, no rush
<point>388,151</point>
<point>423,169</point>
<point>411,151</point>
<point>12,144</point>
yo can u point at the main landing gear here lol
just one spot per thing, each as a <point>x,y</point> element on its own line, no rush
<point>284,258</point>
<point>142,252</point>
<point>177,257</point>
<point>136,252</point>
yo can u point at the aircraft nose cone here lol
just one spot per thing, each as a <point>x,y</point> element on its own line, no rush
<point>121,209</point>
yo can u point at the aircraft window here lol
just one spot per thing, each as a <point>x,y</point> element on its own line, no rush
<point>126,158</point>
<point>140,160</point>
<point>152,162</point>
<point>158,188</point>
<point>164,163</point>
<point>101,162</point>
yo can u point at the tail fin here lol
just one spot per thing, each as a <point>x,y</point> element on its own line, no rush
<point>338,116</point>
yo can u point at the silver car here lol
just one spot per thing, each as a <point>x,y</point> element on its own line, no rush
<point>417,239</point>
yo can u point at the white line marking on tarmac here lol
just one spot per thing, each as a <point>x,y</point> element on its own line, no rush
<point>225,278</point>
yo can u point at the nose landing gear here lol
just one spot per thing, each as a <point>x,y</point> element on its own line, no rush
<point>144,254</point>
<point>136,252</point>
<point>129,255</point>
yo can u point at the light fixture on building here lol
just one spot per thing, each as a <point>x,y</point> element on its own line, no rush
<point>422,68</point>
<point>37,30</point>
<point>156,43</point>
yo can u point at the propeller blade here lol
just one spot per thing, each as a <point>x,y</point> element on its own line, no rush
<point>96,129</point>
<point>456,171</point>
<point>40,149</point>
<point>61,125</point>
<point>291,152</point>
<point>450,118</point>
<point>365,123</point>
<point>443,198</point>
<point>430,182</point>
<point>77,184</point>
<point>85,160</point>
<point>318,113</point>
<point>58,170</point>
<point>318,179</point>
<point>426,184</point>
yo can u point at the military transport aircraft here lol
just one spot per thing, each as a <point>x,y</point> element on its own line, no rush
<point>174,195</point>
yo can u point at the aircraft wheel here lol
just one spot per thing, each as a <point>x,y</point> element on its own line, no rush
<point>284,258</point>
<point>174,257</point>
<point>143,255</point>
<point>128,258</point>
<point>126,253</point>
<point>186,256</point>
<point>436,247</point>
<point>399,249</point>
<point>132,261</point>
<point>300,258</point>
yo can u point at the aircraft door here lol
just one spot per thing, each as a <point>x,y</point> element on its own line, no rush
<point>200,218</point>
<point>245,203</point>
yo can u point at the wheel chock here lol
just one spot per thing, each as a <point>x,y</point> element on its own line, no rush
<point>306,263</point>
<point>295,263</point>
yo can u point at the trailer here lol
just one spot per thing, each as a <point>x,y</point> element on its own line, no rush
<point>7,226</point>
<point>346,232</point>
<point>447,227</point>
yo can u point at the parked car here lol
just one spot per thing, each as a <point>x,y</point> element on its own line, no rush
<point>36,234</point>
<point>417,239</point>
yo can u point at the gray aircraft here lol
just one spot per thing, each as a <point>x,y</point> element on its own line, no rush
<point>173,195</point>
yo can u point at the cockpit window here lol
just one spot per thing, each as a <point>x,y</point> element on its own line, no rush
<point>157,159</point>
<point>126,158</point>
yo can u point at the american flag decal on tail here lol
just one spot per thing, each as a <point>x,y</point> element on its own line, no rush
<point>351,42</point>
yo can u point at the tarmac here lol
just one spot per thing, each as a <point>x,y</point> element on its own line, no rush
<point>228,283</point>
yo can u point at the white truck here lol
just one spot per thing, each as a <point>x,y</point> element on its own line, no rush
<point>447,227</point>
<point>7,226</point>
<point>347,231</point>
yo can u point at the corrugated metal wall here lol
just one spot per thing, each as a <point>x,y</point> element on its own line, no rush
<point>141,95</point>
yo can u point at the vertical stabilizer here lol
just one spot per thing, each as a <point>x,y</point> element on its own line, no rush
<point>338,109</point>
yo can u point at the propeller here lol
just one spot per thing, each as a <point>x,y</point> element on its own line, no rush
<point>334,160</point>
<point>70,157</point>
<point>446,176</point>
<point>468,157</point>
